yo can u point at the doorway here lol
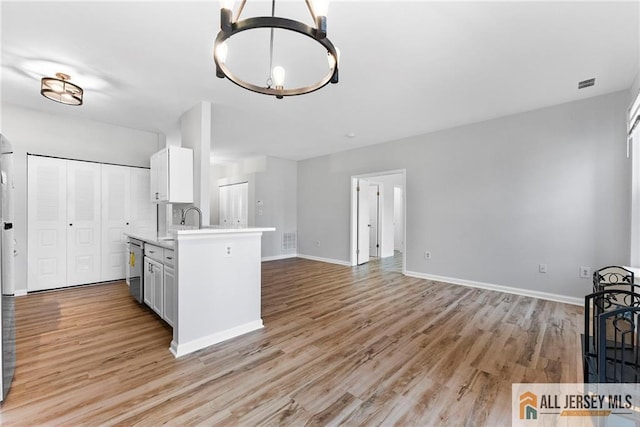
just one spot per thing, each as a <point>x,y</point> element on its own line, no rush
<point>234,202</point>
<point>378,217</point>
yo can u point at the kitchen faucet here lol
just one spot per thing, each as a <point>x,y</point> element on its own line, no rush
<point>184,215</point>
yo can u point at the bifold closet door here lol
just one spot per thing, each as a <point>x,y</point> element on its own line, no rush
<point>47,223</point>
<point>144,214</point>
<point>83,222</point>
<point>116,211</point>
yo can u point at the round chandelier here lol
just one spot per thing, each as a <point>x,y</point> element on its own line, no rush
<point>275,82</point>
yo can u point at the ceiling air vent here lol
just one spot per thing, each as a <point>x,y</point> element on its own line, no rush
<point>586,83</point>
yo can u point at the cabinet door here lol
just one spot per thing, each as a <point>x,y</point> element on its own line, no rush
<point>148,283</point>
<point>160,168</point>
<point>116,208</point>
<point>83,216</point>
<point>170,305</point>
<point>157,271</point>
<point>143,219</point>
<point>46,223</point>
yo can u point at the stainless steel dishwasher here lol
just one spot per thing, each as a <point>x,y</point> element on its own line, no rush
<point>136,260</point>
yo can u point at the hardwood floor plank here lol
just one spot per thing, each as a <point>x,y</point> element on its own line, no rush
<point>341,346</point>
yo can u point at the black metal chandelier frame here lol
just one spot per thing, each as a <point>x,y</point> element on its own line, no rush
<point>229,28</point>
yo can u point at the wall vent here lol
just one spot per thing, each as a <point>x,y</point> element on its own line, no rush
<point>586,83</point>
<point>289,241</point>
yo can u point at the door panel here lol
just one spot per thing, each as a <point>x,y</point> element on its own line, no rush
<point>363,221</point>
<point>83,216</point>
<point>116,209</point>
<point>143,218</point>
<point>374,210</point>
<point>47,223</point>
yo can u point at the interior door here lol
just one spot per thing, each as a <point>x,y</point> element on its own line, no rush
<point>374,214</point>
<point>144,215</point>
<point>234,205</point>
<point>363,221</point>
<point>115,220</point>
<point>47,223</point>
<point>83,216</point>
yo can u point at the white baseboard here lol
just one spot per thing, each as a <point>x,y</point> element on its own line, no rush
<point>489,286</point>
<point>329,260</point>
<point>179,350</point>
<point>277,257</point>
<point>20,293</point>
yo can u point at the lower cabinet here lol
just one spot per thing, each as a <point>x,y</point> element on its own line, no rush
<point>148,282</point>
<point>169,295</point>
<point>160,282</point>
<point>153,284</point>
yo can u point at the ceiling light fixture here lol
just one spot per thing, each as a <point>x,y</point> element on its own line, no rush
<point>61,90</point>
<point>275,85</point>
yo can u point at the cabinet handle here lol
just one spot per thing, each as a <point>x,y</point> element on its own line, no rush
<point>169,257</point>
<point>127,223</point>
<point>70,225</point>
<point>152,252</point>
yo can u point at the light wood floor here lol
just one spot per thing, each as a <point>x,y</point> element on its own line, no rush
<point>357,346</point>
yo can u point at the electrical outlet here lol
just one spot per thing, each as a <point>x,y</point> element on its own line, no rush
<point>427,255</point>
<point>227,250</point>
<point>585,272</point>
<point>542,268</point>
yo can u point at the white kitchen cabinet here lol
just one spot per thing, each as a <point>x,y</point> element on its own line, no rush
<point>159,281</point>
<point>125,209</point>
<point>153,284</point>
<point>169,295</point>
<point>172,175</point>
<point>148,282</point>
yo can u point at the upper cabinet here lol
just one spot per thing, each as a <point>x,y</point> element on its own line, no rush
<point>172,175</point>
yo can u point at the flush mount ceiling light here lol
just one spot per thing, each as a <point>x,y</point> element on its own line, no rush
<point>61,90</point>
<point>274,84</point>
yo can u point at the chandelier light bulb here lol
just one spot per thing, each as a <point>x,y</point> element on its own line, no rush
<point>226,4</point>
<point>221,52</point>
<point>321,7</point>
<point>278,76</point>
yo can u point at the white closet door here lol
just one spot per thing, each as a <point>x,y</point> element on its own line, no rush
<point>143,219</point>
<point>47,223</point>
<point>83,228</point>
<point>224,208</point>
<point>116,210</point>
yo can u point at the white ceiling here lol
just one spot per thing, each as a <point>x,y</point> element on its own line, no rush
<point>407,68</point>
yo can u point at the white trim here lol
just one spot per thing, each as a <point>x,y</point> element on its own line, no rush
<point>200,343</point>
<point>20,293</point>
<point>277,257</point>
<point>328,260</point>
<point>500,288</point>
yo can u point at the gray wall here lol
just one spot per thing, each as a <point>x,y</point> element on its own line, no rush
<point>63,136</point>
<point>272,181</point>
<point>493,200</point>
<point>276,188</point>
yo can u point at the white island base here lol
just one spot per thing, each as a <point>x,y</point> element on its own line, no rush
<point>218,286</point>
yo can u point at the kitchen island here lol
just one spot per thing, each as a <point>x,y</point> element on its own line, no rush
<point>217,285</point>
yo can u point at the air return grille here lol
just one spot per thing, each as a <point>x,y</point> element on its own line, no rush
<point>586,83</point>
<point>288,241</point>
